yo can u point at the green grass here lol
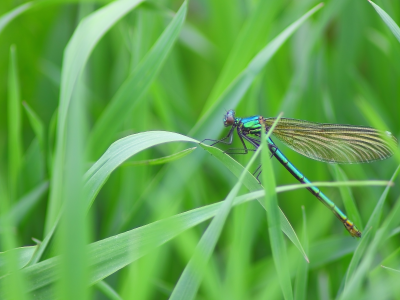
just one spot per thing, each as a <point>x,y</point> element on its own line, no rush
<point>102,195</point>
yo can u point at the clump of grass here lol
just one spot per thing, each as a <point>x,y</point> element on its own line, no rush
<point>101,83</point>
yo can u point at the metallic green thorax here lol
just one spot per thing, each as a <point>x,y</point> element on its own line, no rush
<point>250,125</point>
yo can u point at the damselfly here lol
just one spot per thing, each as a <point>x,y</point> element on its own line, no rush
<point>332,143</point>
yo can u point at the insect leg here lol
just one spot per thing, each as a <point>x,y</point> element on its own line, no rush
<point>229,136</point>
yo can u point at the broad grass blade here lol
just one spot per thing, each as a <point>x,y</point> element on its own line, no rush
<point>77,52</point>
<point>23,255</point>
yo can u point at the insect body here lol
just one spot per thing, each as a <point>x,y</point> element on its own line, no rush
<point>332,143</point>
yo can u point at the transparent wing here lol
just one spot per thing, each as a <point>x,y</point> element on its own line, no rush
<point>334,143</point>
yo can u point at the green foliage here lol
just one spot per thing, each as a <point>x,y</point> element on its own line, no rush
<point>100,104</point>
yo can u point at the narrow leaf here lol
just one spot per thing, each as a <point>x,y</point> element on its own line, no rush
<point>388,20</point>
<point>24,205</point>
<point>14,123</point>
<point>37,125</point>
<point>277,242</point>
<point>300,288</point>
<point>8,17</point>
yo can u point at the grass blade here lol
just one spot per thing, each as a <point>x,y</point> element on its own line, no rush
<point>124,248</point>
<point>161,160</point>
<point>14,123</point>
<point>14,283</point>
<point>77,52</point>
<point>107,290</point>
<point>24,205</point>
<point>129,246</point>
<point>347,196</point>
<point>190,280</point>
<point>300,288</point>
<point>37,126</point>
<point>22,255</point>
<point>394,28</point>
<point>8,17</point>
<point>119,152</point>
<point>74,232</point>
<point>277,242</point>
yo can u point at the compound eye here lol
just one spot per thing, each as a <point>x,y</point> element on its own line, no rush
<point>229,120</point>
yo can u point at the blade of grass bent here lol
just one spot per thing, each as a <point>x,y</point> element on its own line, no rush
<point>98,174</point>
<point>126,147</point>
<point>119,152</point>
<point>277,242</point>
<point>394,28</point>
<point>135,86</point>
<point>76,54</point>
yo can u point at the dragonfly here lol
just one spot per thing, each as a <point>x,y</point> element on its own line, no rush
<point>331,143</point>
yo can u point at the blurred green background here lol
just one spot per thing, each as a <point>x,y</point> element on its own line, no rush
<point>342,65</point>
